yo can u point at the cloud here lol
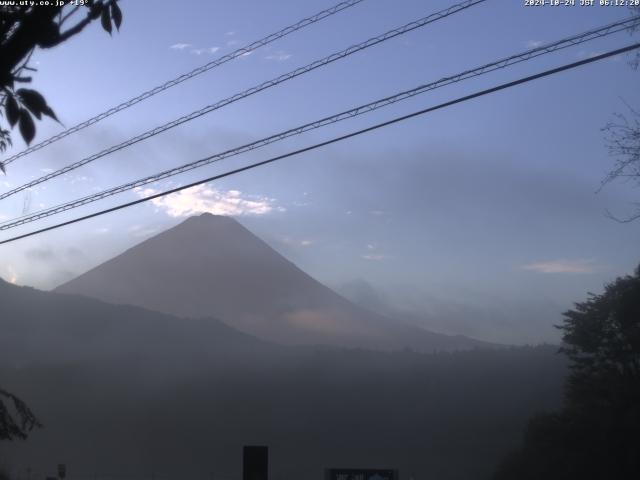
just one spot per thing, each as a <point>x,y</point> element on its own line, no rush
<point>588,53</point>
<point>205,199</point>
<point>562,266</point>
<point>372,253</point>
<point>287,240</point>
<point>278,56</point>
<point>326,321</point>
<point>40,254</point>
<point>11,275</point>
<point>73,253</point>
<point>534,43</point>
<point>139,231</point>
<point>179,46</point>
<point>49,255</point>
<point>200,51</point>
<point>196,51</point>
<point>374,256</point>
<point>78,179</point>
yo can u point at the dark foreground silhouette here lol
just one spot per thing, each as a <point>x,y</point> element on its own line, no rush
<point>596,435</point>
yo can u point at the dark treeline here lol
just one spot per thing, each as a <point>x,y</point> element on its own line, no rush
<point>596,433</point>
<point>125,392</point>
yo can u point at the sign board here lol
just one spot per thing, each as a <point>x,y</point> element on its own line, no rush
<point>360,474</point>
<point>255,463</point>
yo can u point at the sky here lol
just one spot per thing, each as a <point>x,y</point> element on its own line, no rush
<point>487,212</point>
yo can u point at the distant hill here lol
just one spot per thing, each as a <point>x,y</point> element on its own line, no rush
<point>211,266</point>
<point>57,329</point>
<point>481,316</point>
<point>126,393</point>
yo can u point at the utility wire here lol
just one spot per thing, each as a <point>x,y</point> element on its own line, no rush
<point>251,91</point>
<point>193,73</point>
<point>503,86</point>
<point>362,109</point>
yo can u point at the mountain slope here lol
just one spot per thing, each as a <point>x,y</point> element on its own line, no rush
<point>45,328</point>
<point>213,266</point>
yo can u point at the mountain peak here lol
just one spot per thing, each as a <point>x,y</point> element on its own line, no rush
<point>210,218</point>
<point>212,266</point>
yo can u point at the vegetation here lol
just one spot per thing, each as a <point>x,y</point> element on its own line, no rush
<point>16,423</point>
<point>23,28</point>
<point>597,433</point>
<point>623,141</point>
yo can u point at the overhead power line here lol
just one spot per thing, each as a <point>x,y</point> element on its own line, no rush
<point>193,73</point>
<point>362,109</point>
<point>488,91</point>
<point>251,91</point>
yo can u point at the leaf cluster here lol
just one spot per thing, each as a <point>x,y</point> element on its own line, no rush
<point>20,108</point>
<point>23,28</point>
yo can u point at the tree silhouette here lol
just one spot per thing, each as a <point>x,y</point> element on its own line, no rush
<point>23,28</point>
<point>16,418</point>
<point>623,140</point>
<point>597,434</point>
<point>602,340</point>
